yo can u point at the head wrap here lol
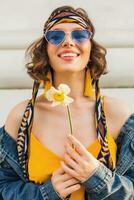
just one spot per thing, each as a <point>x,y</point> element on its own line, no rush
<point>66,17</point>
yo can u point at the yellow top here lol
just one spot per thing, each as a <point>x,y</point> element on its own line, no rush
<point>43,162</point>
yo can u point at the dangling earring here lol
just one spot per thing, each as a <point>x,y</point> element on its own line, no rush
<point>88,88</point>
<point>48,83</point>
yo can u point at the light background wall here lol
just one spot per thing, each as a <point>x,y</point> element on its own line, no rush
<point>22,23</point>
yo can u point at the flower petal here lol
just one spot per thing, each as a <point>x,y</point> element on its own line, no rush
<point>53,89</point>
<point>67,101</point>
<point>55,103</point>
<point>65,88</point>
<point>49,93</point>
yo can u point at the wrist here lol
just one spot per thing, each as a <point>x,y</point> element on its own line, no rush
<point>66,198</point>
<point>96,166</point>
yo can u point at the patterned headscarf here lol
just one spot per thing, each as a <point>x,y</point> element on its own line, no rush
<point>68,16</point>
<point>67,19</point>
<point>27,120</point>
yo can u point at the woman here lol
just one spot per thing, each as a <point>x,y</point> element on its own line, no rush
<point>37,158</point>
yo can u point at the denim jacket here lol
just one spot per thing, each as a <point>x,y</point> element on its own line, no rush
<point>103,184</point>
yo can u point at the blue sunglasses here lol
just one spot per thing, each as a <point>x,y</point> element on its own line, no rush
<point>56,37</point>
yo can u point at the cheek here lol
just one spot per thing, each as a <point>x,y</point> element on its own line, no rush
<point>88,48</point>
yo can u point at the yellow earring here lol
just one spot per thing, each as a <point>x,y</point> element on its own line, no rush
<point>48,83</point>
<point>88,88</point>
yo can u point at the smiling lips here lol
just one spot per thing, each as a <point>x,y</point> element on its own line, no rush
<point>68,55</point>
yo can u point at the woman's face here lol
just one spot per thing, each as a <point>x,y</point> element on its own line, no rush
<point>80,53</point>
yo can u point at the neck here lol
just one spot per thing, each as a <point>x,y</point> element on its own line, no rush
<point>75,80</point>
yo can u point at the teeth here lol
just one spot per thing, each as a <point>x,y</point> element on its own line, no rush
<point>68,54</point>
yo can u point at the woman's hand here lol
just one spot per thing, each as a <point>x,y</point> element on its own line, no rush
<point>64,184</point>
<point>78,162</point>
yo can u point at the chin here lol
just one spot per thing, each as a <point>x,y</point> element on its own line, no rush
<point>71,70</point>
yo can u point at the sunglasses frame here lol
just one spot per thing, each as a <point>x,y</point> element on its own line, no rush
<point>66,33</point>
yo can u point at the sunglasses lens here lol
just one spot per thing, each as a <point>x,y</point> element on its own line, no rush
<point>55,37</point>
<point>80,35</point>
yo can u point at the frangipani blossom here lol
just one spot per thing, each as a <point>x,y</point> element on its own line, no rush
<point>59,96</point>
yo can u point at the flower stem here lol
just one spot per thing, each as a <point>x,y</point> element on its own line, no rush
<point>70,122</point>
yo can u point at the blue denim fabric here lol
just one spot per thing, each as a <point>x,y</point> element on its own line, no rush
<point>13,185</point>
<point>119,184</point>
<point>103,184</point>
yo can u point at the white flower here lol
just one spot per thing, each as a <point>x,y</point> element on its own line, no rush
<point>59,96</point>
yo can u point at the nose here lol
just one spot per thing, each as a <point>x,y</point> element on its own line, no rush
<point>68,40</point>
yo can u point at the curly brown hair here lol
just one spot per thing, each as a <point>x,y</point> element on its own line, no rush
<point>38,65</point>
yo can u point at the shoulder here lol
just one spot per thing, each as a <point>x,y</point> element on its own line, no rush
<point>117,113</point>
<point>14,118</point>
<point>117,107</point>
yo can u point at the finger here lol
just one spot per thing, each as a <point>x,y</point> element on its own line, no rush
<point>70,161</point>
<point>73,154</point>
<point>68,141</point>
<point>68,170</point>
<point>72,188</point>
<point>60,170</point>
<point>70,182</point>
<point>78,146</point>
<point>65,177</point>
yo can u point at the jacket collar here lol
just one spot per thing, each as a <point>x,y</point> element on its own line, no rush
<point>125,146</point>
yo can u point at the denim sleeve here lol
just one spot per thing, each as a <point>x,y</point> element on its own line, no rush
<point>105,184</point>
<point>117,184</point>
<point>13,188</point>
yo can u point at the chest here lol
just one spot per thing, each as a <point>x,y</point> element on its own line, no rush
<point>51,127</point>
